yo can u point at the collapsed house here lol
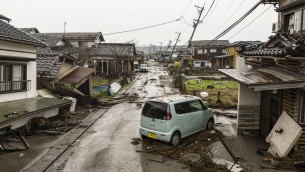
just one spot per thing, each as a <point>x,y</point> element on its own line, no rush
<point>19,103</point>
<point>57,69</point>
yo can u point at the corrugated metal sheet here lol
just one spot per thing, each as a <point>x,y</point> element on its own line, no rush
<point>263,76</point>
<point>77,75</point>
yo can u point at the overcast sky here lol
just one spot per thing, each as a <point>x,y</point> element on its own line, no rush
<point>108,16</point>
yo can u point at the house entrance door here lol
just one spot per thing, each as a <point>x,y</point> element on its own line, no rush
<point>270,111</point>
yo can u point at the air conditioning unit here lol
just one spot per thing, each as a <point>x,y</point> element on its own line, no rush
<point>275,27</point>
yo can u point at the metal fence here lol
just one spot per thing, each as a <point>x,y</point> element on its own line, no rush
<point>14,86</point>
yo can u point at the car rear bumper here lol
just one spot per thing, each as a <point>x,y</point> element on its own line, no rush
<point>160,135</point>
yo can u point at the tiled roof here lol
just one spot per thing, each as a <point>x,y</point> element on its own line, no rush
<point>279,45</point>
<point>79,35</point>
<point>2,17</point>
<point>115,49</point>
<point>11,33</point>
<point>210,43</point>
<point>30,30</point>
<point>51,41</point>
<point>244,43</point>
<point>48,65</point>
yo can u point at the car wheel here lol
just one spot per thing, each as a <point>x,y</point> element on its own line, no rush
<point>175,139</point>
<point>210,124</point>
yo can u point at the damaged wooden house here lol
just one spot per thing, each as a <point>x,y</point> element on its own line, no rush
<point>274,83</point>
<point>114,58</point>
<point>19,103</point>
<point>57,70</point>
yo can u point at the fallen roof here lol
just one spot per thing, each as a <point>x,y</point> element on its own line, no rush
<point>77,75</point>
<point>266,78</point>
<point>11,33</point>
<point>15,110</point>
<point>48,65</point>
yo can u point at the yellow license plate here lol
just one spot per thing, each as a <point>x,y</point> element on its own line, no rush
<point>152,135</point>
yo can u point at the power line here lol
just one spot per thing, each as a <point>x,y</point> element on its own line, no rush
<point>234,12</point>
<point>187,8</point>
<point>212,11</point>
<point>251,22</point>
<point>186,22</point>
<point>147,27</point>
<point>225,12</point>
<point>208,11</point>
<point>238,21</point>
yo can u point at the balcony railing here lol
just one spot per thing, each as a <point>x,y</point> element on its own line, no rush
<point>14,86</point>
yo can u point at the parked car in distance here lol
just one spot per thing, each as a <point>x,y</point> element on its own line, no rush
<point>143,68</point>
<point>171,118</point>
<point>202,64</point>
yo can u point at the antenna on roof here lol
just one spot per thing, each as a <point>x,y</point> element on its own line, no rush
<point>65,28</point>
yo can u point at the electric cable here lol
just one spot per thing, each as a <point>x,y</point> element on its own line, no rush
<point>251,22</point>
<point>211,12</point>
<point>225,12</point>
<point>147,27</point>
<point>208,10</point>
<point>234,12</point>
<point>237,22</point>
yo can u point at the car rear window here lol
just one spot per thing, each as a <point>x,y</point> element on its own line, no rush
<point>155,110</point>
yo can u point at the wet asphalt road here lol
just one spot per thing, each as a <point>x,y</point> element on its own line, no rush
<point>106,146</point>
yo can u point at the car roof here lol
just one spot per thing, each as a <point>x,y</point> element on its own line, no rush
<point>174,98</point>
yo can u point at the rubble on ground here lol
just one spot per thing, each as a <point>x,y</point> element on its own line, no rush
<point>193,151</point>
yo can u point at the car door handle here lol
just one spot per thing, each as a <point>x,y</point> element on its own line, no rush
<point>153,124</point>
<point>179,118</point>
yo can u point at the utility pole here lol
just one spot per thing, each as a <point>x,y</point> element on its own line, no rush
<point>65,28</point>
<point>196,22</point>
<point>160,51</point>
<point>174,46</point>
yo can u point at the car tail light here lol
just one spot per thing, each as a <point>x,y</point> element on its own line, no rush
<point>168,116</point>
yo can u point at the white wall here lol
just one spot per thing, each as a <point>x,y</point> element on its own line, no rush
<point>247,96</point>
<point>8,49</point>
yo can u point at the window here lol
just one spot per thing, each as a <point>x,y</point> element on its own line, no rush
<point>293,22</point>
<point>213,50</point>
<point>197,106</point>
<point>155,110</point>
<point>13,77</point>
<point>205,51</point>
<point>199,52</point>
<point>182,108</point>
<point>224,51</point>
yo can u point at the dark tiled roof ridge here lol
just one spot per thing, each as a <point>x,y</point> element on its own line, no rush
<point>10,33</point>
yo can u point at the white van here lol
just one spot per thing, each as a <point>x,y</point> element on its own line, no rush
<point>143,68</point>
<point>170,118</point>
<point>202,64</point>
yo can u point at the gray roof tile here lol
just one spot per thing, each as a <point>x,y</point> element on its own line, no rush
<point>11,33</point>
<point>115,49</point>
<point>79,35</point>
<point>210,43</point>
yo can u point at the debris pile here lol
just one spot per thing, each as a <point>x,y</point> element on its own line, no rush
<point>193,151</point>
